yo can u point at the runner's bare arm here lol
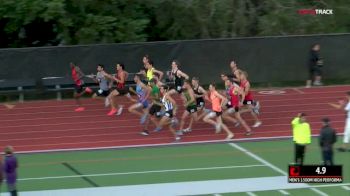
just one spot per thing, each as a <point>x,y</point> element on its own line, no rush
<point>183,75</point>
<point>160,73</point>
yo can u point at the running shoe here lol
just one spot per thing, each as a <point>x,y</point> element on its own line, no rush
<point>187,130</point>
<point>230,136</point>
<point>257,124</point>
<point>179,132</point>
<point>79,109</point>
<point>88,90</point>
<point>143,119</point>
<point>248,133</point>
<point>112,112</point>
<point>120,110</point>
<point>177,139</point>
<point>256,108</point>
<point>144,132</point>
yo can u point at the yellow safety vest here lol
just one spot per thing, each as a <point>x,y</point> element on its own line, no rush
<point>301,131</point>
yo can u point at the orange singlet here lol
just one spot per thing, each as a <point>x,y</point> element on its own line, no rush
<point>215,102</point>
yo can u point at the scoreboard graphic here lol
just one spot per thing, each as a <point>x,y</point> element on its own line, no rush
<point>315,174</point>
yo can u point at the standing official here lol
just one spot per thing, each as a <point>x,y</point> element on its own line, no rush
<point>301,136</point>
<point>327,138</point>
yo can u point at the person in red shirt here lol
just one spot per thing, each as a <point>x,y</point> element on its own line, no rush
<point>249,103</point>
<point>234,92</point>
<point>80,89</point>
<point>120,78</point>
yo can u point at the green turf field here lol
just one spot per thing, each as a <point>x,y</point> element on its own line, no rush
<point>140,166</point>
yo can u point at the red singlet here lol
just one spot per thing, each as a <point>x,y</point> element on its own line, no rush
<point>120,85</point>
<point>76,78</point>
<point>248,96</point>
<point>234,97</point>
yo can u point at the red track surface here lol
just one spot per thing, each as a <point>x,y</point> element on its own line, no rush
<point>53,125</point>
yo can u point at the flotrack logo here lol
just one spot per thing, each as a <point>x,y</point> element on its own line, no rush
<point>315,11</point>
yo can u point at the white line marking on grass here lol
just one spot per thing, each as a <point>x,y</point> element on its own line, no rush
<point>346,188</point>
<point>318,191</point>
<point>250,194</point>
<point>142,172</point>
<point>283,192</point>
<point>256,157</point>
<point>217,194</point>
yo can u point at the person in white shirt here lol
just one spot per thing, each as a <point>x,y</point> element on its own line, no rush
<point>346,106</point>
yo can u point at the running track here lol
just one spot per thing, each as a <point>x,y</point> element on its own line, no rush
<point>53,125</point>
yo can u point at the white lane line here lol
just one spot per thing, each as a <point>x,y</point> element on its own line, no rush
<point>263,161</point>
<point>298,91</point>
<point>283,192</point>
<point>141,172</point>
<point>148,145</point>
<point>346,188</point>
<point>251,194</point>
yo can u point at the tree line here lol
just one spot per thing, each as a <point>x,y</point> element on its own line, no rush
<point>28,23</point>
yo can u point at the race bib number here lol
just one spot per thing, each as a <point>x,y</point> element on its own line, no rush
<point>167,114</point>
<point>100,91</point>
<point>179,88</point>
<point>192,110</point>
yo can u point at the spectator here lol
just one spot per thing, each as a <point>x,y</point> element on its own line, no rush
<point>315,67</point>
<point>346,106</point>
<point>327,138</point>
<point>301,137</point>
<point>10,168</point>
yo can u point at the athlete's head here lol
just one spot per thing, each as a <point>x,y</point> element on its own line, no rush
<point>156,77</point>
<point>187,84</point>
<point>233,65</point>
<point>242,75</point>
<point>152,82</point>
<point>175,64</point>
<point>120,66</point>
<point>195,81</point>
<point>72,65</point>
<point>149,65</point>
<point>228,83</point>
<point>137,78</point>
<point>163,89</point>
<point>146,59</point>
<point>224,77</point>
<point>100,67</point>
<point>212,86</point>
